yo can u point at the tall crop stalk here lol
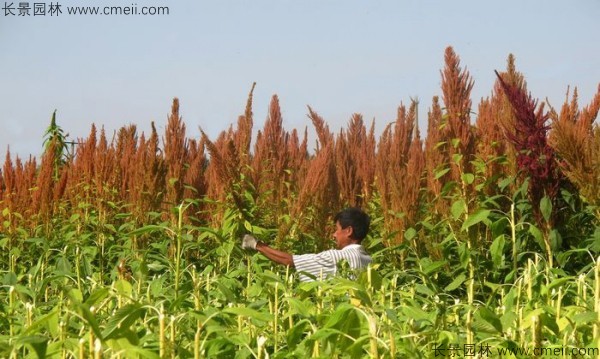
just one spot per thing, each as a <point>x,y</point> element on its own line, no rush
<point>11,311</point>
<point>513,236</point>
<point>81,348</point>
<point>162,340</point>
<point>597,302</point>
<point>172,343</point>
<point>178,235</point>
<point>97,349</point>
<point>276,315</point>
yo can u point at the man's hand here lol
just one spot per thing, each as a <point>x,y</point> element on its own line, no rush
<point>249,242</point>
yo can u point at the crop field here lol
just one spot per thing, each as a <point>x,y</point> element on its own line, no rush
<point>485,235</point>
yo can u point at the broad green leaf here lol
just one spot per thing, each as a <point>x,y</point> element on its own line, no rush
<point>585,318</point>
<point>423,289</point>
<point>491,317</point>
<point>147,229</point>
<point>37,342</point>
<point>75,295</point>
<point>228,293</point>
<point>96,297</point>
<point>417,313</point>
<point>556,283</point>
<point>563,323</point>
<point>410,233</point>
<point>118,324</point>
<point>555,240</point>
<point>48,321</point>
<point>439,174</point>
<point>325,333</point>
<point>340,314</point>
<point>90,319</point>
<point>250,313</point>
<point>537,236</point>
<point>123,288</point>
<point>546,208</point>
<point>497,250</point>
<point>528,320</point>
<point>479,216</point>
<point>458,208</point>
<point>356,349</point>
<point>502,184</point>
<point>129,348</point>
<point>509,319</point>
<point>457,282</point>
<point>499,227</point>
<point>296,306</point>
<point>10,279</point>
<point>468,178</point>
<point>549,321</point>
<point>433,267</point>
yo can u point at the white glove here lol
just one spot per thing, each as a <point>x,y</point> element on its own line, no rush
<point>249,242</point>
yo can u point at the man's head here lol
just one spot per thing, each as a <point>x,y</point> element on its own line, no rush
<point>352,226</point>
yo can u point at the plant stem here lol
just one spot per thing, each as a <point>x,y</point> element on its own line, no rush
<point>513,233</point>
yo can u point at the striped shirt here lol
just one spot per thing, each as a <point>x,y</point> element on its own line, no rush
<point>324,264</point>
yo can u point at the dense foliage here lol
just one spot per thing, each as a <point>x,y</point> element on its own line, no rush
<point>484,237</point>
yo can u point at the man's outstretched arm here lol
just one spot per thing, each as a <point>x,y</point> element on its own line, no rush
<point>249,242</point>
<point>275,255</point>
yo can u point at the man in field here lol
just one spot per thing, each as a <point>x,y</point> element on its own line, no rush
<point>351,224</point>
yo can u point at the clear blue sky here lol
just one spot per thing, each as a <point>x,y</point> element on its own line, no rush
<point>338,56</point>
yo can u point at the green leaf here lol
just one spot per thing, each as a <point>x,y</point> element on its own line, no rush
<point>546,208</point>
<point>457,282</point>
<point>585,317</point>
<point>497,250</point>
<point>75,295</point>
<point>325,333</point>
<point>410,233</point>
<point>480,216</point>
<point>423,289</point>
<point>555,240</point>
<point>468,178</point>
<point>96,297</point>
<point>147,229</point>
<point>499,227</point>
<point>123,288</point>
<point>296,306</point>
<point>417,313</point>
<point>439,174</point>
<point>228,293</point>
<point>295,333</point>
<point>491,317</point>
<point>557,283</point>
<point>537,235</point>
<point>549,321</point>
<point>504,183</point>
<point>48,321</point>
<point>118,325</point>
<point>433,267</point>
<point>90,319</point>
<point>10,279</point>
<point>250,313</point>
<point>458,208</point>
<point>339,315</point>
<point>37,342</point>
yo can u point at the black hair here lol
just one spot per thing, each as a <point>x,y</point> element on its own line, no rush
<point>355,218</point>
